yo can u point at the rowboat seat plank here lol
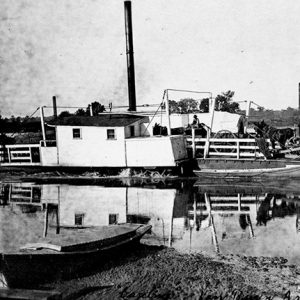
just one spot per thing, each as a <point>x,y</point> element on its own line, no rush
<point>83,239</point>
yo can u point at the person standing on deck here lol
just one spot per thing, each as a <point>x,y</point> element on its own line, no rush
<point>195,123</point>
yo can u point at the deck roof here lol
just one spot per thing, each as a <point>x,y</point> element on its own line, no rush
<point>103,120</point>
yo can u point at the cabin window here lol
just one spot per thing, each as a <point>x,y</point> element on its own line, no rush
<point>111,134</point>
<point>76,133</point>
<point>113,219</point>
<point>79,218</point>
<point>131,128</point>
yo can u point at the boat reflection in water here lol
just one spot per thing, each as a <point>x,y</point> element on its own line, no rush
<point>226,218</point>
<point>246,219</point>
<point>30,211</point>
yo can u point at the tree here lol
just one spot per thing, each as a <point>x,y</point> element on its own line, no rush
<point>223,102</point>
<point>97,108</point>
<point>80,112</point>
<point>188,105</point>
<point>173,106</point>
<point>204,105</point>
<point>64,114</point>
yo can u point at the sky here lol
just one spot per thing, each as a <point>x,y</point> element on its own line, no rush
<point>76,51</point>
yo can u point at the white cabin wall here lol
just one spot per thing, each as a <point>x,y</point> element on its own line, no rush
<point>49,156</point>
<point>92,149</point>
<point>155,151</point>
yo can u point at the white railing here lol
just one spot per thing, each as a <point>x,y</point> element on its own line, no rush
<point>224,147</point>
<point>20,154</point>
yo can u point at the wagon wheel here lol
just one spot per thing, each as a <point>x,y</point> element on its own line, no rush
<point>224,134</point>
<point>293,142</point>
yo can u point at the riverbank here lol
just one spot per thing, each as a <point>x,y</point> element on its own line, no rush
<point>150,272</point>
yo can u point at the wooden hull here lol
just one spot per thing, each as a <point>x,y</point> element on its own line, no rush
<point>247,168</point>
<point>30,268</point>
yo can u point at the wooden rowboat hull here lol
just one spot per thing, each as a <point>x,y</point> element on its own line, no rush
<point>31,268</point>
<point>247,168</point>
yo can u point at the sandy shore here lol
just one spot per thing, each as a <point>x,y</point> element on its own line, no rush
<point>150,272</point>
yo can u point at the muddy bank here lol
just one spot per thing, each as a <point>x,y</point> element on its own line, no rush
<point>161,273</point>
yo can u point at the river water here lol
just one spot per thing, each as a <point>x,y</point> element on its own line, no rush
<point>211,217</point>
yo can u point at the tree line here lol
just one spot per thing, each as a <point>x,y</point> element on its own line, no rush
<point>95,107</point>
<point>32,124</point>
<point>224,102</point>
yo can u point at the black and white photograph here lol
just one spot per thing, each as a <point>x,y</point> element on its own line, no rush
<point>150,149</point>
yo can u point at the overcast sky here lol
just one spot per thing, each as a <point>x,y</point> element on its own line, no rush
<point>76,50</point>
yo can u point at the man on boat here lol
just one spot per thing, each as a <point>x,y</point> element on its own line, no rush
<point>200,128</point>
<point>195,123</point>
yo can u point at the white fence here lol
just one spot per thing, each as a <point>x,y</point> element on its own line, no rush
<point>224,147</point>
<point>20,154</point>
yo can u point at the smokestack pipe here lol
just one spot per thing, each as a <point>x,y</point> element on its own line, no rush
<point>54,107</point>
<point>129,55</point>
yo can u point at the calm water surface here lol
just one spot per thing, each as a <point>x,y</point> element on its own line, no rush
<point>209,217</point>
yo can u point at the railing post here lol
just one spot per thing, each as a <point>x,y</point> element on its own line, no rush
<point>168,112</point>
<point>30,154</point>
<point>206,148</point>
<point>247,115</point>
<point>193,143</point>
<point>8,154</point>
<point>212,112</point>
<point>43,125</point>
<point>238,149</point>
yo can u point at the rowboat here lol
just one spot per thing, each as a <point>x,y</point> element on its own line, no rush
<point>72,253</point>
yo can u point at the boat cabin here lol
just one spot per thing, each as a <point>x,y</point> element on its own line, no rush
<point>92,140</point>
<point>109,140</point>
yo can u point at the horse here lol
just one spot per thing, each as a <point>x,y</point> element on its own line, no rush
<point>274,134</point>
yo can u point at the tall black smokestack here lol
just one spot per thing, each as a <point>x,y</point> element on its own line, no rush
<point>129,55</point>
<point>54,107</point>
